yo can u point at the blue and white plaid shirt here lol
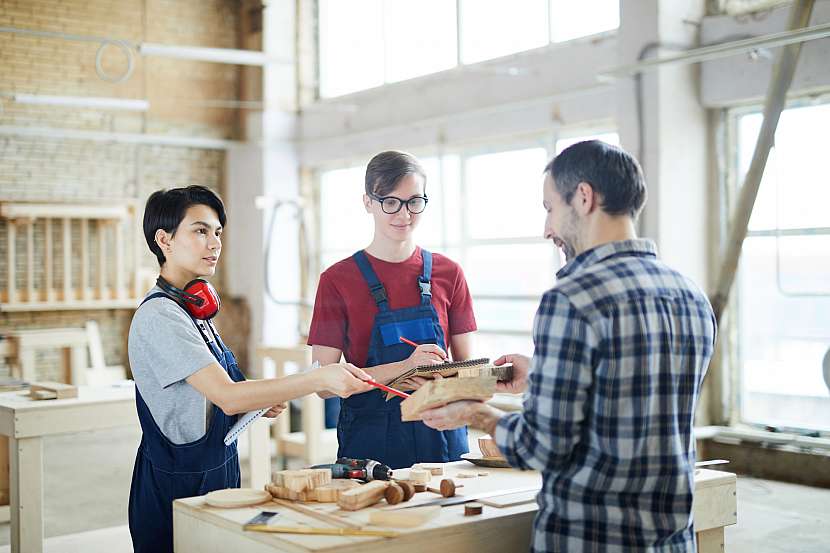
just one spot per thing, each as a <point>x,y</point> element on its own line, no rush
<point>622,343</point>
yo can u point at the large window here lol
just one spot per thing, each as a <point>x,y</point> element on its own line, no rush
<point>485,212</point>
<point>366,43</point>
<point>783,287</point>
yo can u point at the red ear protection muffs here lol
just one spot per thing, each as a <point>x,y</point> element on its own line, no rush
<point>199,297</point>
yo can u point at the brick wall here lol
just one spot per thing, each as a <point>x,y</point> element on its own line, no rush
<point>55,169</point>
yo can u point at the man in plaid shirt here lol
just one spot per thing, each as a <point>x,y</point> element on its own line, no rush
<point>622,343</point>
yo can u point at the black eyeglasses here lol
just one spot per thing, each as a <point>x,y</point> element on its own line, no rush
<point>391,204</point>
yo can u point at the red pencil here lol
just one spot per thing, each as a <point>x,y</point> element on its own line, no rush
<point>386,388</point>
<point>410,342</point>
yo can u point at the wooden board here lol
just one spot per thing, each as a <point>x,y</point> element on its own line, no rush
<point>472,368</point>
<point>408,518</point>
<point>232,498</point>
<point>509,500</point>
<point>436,393</point>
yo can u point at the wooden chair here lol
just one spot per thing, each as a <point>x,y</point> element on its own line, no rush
<point>313,444</point>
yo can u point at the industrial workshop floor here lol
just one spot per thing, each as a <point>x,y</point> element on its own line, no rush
<point>87,482</point>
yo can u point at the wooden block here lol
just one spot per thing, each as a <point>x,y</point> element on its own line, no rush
<point>59,389</point>
<point>419,476</point>
<point>466,474</point>
<point>301,480</point>
<point>363,496</point>
<point>437,469</point>
<point>436,393</point>
<point>472,509</point>
<point>404,518</point>
<point>330,492</point>
<point>488,447</point>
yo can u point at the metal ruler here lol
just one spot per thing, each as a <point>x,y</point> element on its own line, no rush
<point>459,499</point>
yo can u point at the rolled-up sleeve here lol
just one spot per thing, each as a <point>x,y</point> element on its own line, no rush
<point>550,426</point>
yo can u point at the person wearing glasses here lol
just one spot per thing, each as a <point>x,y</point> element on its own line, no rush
<point>390,290</point>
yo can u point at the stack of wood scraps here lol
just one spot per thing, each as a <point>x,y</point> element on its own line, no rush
<point>52,390</point>
<point>308,485</point>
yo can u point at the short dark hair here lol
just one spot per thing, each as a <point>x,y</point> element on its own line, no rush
<point>611,171</point>
<point>386,169</point>
<point>165,209</point>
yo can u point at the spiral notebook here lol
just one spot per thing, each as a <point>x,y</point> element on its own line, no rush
<point>248,418</point>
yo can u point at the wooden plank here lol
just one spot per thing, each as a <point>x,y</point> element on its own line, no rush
<point>409,518</point>
<point>86,292</point>
<point>102,260</point>
<point>59,389</point>
<point>26,475</point>
<point>340,522</point>
<point>715,500</point>
<point>436,393</point>
<point>30,261</point>
<point>11,260</point>
<point>5,490</point>
<point>96,347</point>
<point>69,416</point>
<point>48,261</point>
<point>67,260</point>
<point>72,305</point>
<point>510,500</point>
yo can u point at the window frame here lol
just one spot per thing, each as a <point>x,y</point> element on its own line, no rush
<point>727,199</point>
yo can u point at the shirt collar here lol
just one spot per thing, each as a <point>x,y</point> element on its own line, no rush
<point>637,247</point>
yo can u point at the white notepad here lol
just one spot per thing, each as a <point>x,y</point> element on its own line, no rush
<point>249,417</point>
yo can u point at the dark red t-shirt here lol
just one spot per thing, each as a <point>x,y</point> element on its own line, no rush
<point>344,310</point>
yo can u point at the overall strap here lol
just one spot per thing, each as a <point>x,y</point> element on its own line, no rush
<point>216,350</point>
<point>424,280</point>
<point>375,287</point>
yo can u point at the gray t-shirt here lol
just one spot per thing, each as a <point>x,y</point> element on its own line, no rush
<point>164,348</point>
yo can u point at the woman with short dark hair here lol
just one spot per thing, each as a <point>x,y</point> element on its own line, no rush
<point>390,290</point>
<point>189,389</point>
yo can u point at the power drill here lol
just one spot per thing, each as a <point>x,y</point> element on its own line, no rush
<point>360,469</point>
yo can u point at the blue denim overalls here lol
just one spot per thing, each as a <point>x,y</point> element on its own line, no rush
<point>369,426</point>
<point>165,471</point>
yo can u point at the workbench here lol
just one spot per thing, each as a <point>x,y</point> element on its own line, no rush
<point>204,529</point>
<point>26,422</point>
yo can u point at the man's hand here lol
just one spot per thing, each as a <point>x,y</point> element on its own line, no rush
<point>462,413</point>
<point>274,411</point>
<point>521,366</point>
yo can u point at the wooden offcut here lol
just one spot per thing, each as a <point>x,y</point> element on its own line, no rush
<point>363,496</point>
<point>52,390</point>
<point>328,493</point>
<point>419,476</point>
<point>437,393</point>
<point>437,469</point>
<point>408,518</point>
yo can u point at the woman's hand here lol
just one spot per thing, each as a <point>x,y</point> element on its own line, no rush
<point>425,354</point>
<point>342,379</point>
<point>274,411</point>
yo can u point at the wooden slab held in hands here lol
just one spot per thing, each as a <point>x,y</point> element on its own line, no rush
<point>436,393</point>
